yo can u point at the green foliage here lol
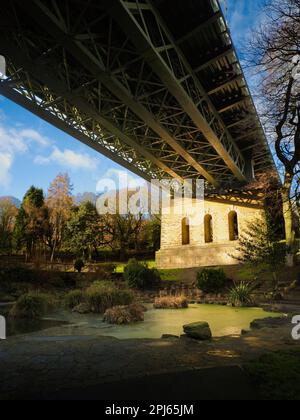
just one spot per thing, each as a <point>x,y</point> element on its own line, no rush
<point>32,305</point>
<point>105,270</point>
<point>32,222</point>
<point>259,245</point>
<point>249,272</point>
<point>73,299</point>
<point>171,274</point>
<point>83,232</point>
<point>138,275</point>
<point>79,265</point>
<point>211,280</point>
<point>8,213</point>
<point>101,296</point>
<point>241,295</point>
<point>277,375</point>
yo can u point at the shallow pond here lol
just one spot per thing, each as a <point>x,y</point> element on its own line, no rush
<point>26,326</point>
<point>223,321</point>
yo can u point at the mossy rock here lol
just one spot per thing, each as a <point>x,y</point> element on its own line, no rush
<point>198,330</point>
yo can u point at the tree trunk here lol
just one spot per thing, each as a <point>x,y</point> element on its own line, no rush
<point>288,220</point>
<point>53,251</point>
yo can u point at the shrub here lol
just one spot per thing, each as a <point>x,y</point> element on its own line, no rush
<point>171,302</point>
<point>211,280</point>
<point>101,296</point>
<point>73,299</point>
<point>105,270</point>
<point>109,268</point>
<point>140,276</point>
<point>32,305</point>
<point>240,295</point>
<point>124,314</point>
<point>79,265</point>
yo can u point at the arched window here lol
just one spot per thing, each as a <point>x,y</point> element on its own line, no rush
<point>208,229</point>
<point>185,231</point>
<point>233,226</point>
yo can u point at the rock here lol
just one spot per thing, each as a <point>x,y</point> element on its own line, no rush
<point>82,309</point>
<point>259,324</point>
<point>198,330</point>
<point>169,336</point>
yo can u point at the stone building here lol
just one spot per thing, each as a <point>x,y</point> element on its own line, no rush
<point>206,233</point>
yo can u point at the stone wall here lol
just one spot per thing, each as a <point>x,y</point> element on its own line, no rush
<point>198,253</point>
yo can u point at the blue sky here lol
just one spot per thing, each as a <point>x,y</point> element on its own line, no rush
<point>33,152</point>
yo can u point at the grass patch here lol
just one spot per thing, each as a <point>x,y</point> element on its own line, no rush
<point>120,267</point>
<point>250,272</point>
<point>277,375</point>
<point>171,275</point>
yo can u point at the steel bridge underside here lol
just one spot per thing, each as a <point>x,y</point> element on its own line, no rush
<point>156,86</point>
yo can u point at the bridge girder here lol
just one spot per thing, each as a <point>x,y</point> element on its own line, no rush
<point>119,78</point>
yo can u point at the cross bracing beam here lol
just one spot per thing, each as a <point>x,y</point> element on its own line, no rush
<point>191,96</point>
<point>204,25</point>
<point>58,29</point>
<point>226,53</point>
<point>23,98</point>
<point>234,104</point>
<point>111,89</point>
<point>226,83</point>
<point>242,121</point>
<point>44,75</point>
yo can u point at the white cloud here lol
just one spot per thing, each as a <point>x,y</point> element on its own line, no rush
<point>68,158</point>
<point>6,161</point>
<point>15,141</point>
<point>124,178</point>
<point>33,135</point>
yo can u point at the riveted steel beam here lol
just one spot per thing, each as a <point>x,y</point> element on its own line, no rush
<point>45,75</point>
<point>139,32</point>
<point>43,16</point>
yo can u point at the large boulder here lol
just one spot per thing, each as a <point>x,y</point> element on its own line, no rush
<point>198,330</point>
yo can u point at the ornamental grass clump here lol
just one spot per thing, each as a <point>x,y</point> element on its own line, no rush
<point>101,296</point>
<point>241,295</point>
<point>33,305</point>
<point>171,302</point>
<point>122,315</point>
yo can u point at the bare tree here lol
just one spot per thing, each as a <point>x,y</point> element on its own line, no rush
<point>275,53</point>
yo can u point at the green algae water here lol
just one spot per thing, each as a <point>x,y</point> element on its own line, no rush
<point>223,321</point>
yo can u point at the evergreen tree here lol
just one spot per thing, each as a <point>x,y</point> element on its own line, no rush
<point>259,244</point>
<point>32,222</point>
<point>8,213</point>
<point>83,232</point>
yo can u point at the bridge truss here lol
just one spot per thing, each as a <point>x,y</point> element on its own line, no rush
<point>155,85</point>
